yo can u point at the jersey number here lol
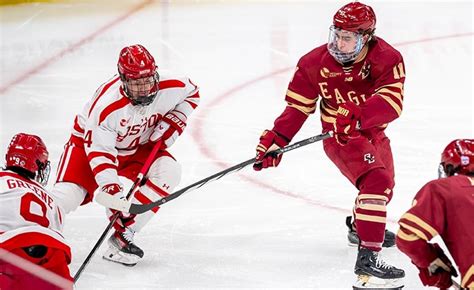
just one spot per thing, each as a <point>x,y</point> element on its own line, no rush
<point>88,138</point>
<point>398,71</point>
<point>26,202</point>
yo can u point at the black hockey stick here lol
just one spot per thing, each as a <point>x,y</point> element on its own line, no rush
<point>139,181</point>
<point>141,208</point>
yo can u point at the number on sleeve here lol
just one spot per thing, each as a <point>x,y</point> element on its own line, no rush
<point>398,71</point>
<point>88,138</point>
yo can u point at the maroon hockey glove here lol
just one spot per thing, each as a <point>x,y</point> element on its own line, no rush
<point>269,141</point>
<point>169,128</point>
<point>347,122</point>
<point>440,270</point>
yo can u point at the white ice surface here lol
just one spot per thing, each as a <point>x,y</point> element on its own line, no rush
<point>281,228</point>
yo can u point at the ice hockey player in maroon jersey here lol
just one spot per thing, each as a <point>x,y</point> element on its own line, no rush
<point>30,220</point>
<point>358,78</point>
<point>443,207</point>
<point>113,136</point>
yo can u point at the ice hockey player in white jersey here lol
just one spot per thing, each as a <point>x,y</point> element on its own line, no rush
<point>113,136</point>
<point>30,221</point>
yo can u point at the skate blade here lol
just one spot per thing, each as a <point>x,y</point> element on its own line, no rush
<point>116,256</point>
<point>365,282</point>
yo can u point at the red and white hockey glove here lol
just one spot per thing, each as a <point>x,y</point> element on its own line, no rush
<point>347,122</point>
<point>269,141</point>
<point>112,189</point>
<point>440,270</point>
<point>169,128</point>
<point>124,219</point>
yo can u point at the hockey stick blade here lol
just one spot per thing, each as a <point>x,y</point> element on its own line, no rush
<point>141,208</point>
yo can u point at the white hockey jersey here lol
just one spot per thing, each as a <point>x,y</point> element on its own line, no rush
<point>111,126</point>
<point>28,214</point>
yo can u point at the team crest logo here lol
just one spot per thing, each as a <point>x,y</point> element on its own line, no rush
<point>364,70</point>
<point>369,158</point>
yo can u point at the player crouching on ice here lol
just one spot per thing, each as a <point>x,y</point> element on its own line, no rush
<point>443,207</point>
<point>30,219</point>
<point>359,79</point>
<point>113,136</point>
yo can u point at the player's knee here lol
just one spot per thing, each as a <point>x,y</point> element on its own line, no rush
<point>68,196</point>
<point>377,182</point>
<point>165,170</point>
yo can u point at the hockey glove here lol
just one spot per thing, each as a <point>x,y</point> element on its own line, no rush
<point>124,219</point>
<point>440,270</point>
<point>169,128</point>
<point>269,141</point>
<point>347,122</point>
<point>112,189</point>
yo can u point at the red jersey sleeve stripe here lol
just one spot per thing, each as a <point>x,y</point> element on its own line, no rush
<point>193,105</point>
<point>117,105</point>
<point>102,167</point>
<point>195,96</point>
<point>168,84</point>
<point>77,127</point>
<point>104,89</point>
<point>145,200</point>
<point>95,154</point>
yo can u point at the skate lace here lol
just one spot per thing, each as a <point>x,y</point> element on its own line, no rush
<point>128,235</point>
<point>379,263</point>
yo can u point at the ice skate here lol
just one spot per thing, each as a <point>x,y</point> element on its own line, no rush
<point>365,282</point>
<point>122,249</point>
<point>353,238</point>
<point>374,273</point>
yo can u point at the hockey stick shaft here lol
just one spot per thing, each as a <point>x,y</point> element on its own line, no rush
<point>141,208</point>
<point>138,182</point>
<point>456,285</point>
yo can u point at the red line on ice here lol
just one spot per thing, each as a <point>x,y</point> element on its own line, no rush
<point>198,133</point>
<point>47,62</point>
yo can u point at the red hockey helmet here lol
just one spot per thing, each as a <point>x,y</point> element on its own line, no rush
<point>458,157</point>
<point>29,153</point>
<point>138,72</point>
<point>355,17</point>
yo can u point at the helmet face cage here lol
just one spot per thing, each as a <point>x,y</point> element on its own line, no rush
<point>42,175</point>
<point>344,45</point>
<point>139,75</point>
<point>141,91</point>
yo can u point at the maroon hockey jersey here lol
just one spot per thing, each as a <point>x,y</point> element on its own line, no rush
<point>374,82</point>
<point>442,207</point>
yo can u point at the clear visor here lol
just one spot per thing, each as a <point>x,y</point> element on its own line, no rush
<point>344,45</point>
<point>142,91</point>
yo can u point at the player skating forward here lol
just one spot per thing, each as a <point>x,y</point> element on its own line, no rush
<point>443,207</point>
<point>30,220</point>
<point>359,78</point>
<point>113,136</point>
